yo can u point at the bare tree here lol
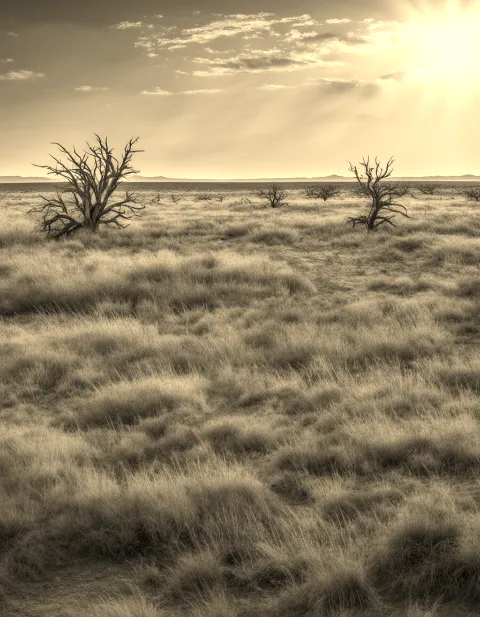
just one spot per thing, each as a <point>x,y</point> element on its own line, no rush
<point>274,195</point>
<point>91,179</point>
<point>220,197</point>
<point>383,208</point>
<point>472,193</point>
<point>322,191</point>
<point>203,197</point>
<point>427,189</point>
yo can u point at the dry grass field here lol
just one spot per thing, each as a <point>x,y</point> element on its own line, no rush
<point>227,410</point>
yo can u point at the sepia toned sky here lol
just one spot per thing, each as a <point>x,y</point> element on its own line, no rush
<point>244,89</point>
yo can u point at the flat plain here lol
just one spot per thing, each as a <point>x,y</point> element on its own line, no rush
<point>229,410</point>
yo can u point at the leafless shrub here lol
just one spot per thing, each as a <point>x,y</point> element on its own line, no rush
<point>472,193</point>
<point>204,197</point>
<point>274,195</point>
<point>322,191</point>
<point>246,200</point>
<point>398,189</point>
<point>175,198</point>
<point>220,197</point>
<point>91,178</point>
<point>383,208</point>
<point>427,189</point>
<point>359,191</point>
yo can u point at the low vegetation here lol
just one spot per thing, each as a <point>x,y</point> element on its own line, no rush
<point>207,414</point>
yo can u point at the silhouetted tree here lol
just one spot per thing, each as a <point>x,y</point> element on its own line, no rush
<point>91,178</point>
<point>274,195</point>
<point>322,191</point>
<point>383,208</point>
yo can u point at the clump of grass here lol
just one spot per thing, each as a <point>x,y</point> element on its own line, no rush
<point>401,286</point>
<point>274,237</point>
<point>345,589</point>
<point>353,504</point>
<point>409,244</point>
<point>316,460</point>
<point>291,488</point>
<point>237,231</point>
<point>194,576</point>
<point>459,377</point>
<point>143,515</point>
<point>134,606</point>
<point>227,437</point>
<point>469,288</point>
<point>127,402</point>
<point>421,560</point>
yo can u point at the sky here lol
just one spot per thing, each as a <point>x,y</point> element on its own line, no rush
<point>217,89</point>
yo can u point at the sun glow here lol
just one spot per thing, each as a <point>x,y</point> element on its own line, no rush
<point>444,44</point>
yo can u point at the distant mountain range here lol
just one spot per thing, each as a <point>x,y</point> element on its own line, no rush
<point>331,178</point>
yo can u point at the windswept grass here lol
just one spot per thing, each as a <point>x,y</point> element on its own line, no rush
<point>224,411</point>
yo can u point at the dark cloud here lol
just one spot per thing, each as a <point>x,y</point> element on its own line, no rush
<point>395,75</point>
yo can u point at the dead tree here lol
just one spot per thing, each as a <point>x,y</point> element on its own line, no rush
<point>472,193</point>
<point>86,200</point>
<point>322,191</point>
<point>274,195</point>
<point>383,208</point>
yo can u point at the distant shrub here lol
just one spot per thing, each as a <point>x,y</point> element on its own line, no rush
<point>472,193</point>
<point>427,189</point>
<point>322,191</point>
<point>274,196</point>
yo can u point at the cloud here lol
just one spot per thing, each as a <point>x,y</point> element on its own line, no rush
<point>160,92</point>
<point>157,92</point>
<point>259,60</point>
<point>12,33</point>
<point>127,25</point>
<point>275,87</point>
<point>7,61</point>
<point>202,91</point>
<point>338,21</point>
<point>329,41</point>
<point>337,85</point>
<point>248,26</point>
<point>91,88</point>
<point>21,75</point>
<point>395,75</point>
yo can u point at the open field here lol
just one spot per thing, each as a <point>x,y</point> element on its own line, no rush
<point>226,410</point>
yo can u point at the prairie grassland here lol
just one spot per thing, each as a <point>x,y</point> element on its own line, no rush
<point>227,410</point>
